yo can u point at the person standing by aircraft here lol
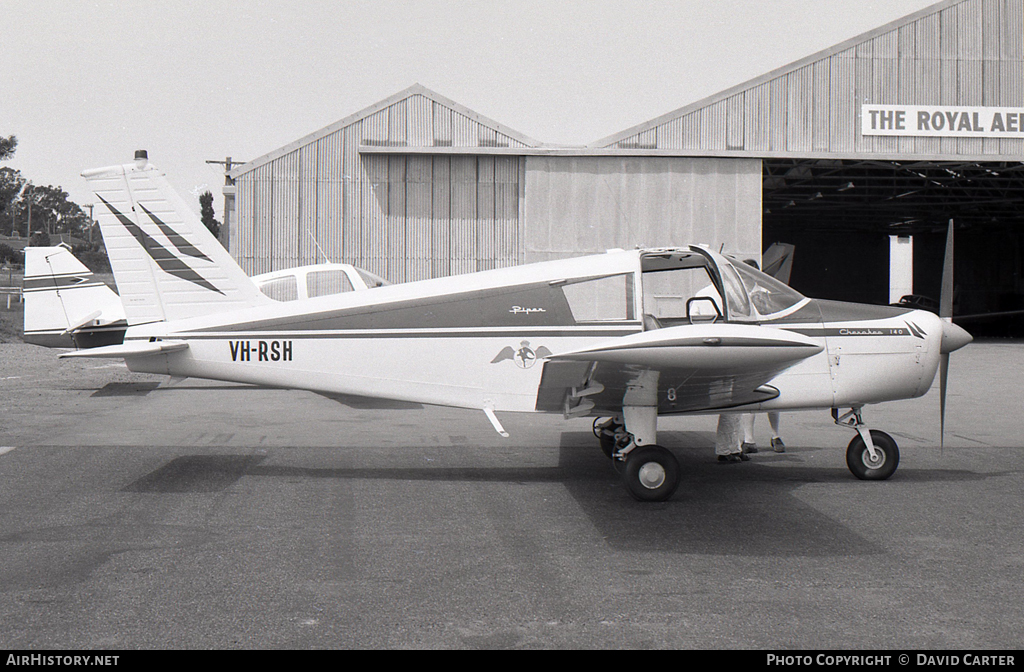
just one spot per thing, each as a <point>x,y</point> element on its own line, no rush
<point>727,439</point>
<point>749,445</point>
<point>759,297</point>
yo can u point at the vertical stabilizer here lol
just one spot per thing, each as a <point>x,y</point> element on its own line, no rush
<point>166,263</point>
<point>65,303</point>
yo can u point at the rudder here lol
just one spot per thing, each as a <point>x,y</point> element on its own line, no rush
<point>166,263</point>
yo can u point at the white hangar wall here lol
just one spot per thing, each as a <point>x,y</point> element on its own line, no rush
<point>445,203</point>
<point>588,204</point>
<point>418,187</point>
<point>403,217</point>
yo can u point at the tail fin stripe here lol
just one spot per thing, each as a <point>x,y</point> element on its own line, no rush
<point>176,238</point>
<point>163,257</point>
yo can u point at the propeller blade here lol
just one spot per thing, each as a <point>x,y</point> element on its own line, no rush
<point>951,337</point>
<point>946,298</point>
<point>943,375</point>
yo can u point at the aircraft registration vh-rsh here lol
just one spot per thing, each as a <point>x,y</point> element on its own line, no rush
<point>624,337</point>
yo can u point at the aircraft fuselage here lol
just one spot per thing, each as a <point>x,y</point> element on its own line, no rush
<point>493,340</point>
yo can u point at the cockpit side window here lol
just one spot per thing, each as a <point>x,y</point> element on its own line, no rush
<point>372,280</point>
<point>735,293</point>
<point>670,280</point>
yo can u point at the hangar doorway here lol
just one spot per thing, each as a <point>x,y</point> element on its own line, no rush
<point>840,215</point>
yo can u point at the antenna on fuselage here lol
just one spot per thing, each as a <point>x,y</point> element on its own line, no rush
<point>318,248</point>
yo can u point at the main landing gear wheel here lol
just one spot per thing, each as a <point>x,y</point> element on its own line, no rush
<point>651,474</point>
<point>887,453</point>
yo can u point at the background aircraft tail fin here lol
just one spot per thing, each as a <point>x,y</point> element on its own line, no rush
<point>63,296</point>
<point>777,261</point>
<point>166,263</point>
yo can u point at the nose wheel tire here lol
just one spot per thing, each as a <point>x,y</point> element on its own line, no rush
<point>879,468</point>
<point>651,474</point>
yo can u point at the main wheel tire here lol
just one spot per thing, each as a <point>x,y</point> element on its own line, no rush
<point>858,459</point>
<point>651,474</point>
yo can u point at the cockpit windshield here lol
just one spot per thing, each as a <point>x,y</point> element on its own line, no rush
<point>769,297</point>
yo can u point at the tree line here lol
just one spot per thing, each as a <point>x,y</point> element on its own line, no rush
<point>42,213</point>
<point>37,212</point>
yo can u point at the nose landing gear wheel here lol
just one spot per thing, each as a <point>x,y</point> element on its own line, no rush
<point>651,474</point>
<point>860,462</point>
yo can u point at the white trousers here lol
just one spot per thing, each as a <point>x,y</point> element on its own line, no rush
<point>729,434</point>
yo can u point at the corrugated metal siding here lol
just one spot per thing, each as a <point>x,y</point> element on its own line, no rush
<point>404,217</point>
<point>968,53</point>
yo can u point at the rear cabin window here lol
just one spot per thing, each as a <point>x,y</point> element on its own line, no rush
<point>281,289</point>
<point>607,299</point>
<point>324,283</point>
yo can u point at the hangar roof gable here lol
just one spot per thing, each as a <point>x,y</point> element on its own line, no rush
<point>414,118</point>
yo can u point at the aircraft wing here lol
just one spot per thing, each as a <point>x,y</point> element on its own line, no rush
<point>679,369</point>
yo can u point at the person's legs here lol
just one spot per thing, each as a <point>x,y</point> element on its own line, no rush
<point>777,445</point>
<point>727,439</point>
<point>749,445</point>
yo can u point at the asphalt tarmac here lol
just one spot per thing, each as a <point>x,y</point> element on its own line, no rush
<point>138,515</point>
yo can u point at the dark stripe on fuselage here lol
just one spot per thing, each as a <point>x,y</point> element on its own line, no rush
<point>836,332</point>
<point>407,333</point>
<point>522,306</point>
<point>840,311</point>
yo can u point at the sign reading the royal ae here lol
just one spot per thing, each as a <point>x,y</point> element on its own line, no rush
<point>942,121</point>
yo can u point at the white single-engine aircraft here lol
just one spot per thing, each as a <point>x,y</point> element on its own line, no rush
<point>626,335</point>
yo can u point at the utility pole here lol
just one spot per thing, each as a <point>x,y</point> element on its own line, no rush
<point>229,200</point>
<point>90,205</point>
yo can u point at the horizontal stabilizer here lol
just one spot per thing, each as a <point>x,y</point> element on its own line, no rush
<point>135,349</point>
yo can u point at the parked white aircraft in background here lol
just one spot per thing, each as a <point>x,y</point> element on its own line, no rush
<point>67,306</point>
<point>629,335</point>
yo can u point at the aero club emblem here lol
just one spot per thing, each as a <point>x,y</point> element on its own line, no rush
<point>524,357</point>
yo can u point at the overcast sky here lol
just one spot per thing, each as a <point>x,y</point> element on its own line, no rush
<point>84,83</point>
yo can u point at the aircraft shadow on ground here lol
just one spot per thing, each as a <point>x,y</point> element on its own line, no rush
<point>371,403</point>
<point>735,509</point>
<point>351,401</point>
<point>125,389</point>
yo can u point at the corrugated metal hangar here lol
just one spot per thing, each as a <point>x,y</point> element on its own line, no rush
<point>858,155</point>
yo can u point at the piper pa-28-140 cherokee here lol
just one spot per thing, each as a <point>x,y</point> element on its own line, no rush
<point>626,335</point>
